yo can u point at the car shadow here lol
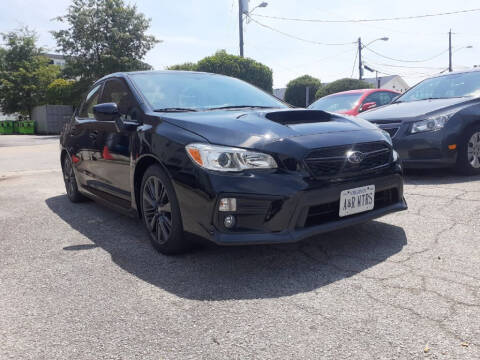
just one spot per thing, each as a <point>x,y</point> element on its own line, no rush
<point>436,177</point>
<point>223,273</point>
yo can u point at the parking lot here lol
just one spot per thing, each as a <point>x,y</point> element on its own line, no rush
<point>82,282</point>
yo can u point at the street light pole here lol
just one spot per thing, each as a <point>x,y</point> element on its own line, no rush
<point>360,47</point>
<point>360,68</point>
<point>240,25</point>
<point>243,9</point>
<point>450,51</point>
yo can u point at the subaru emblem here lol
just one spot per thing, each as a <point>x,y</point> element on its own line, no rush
<point>355,157</point>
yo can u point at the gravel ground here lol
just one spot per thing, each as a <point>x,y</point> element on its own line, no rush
<point>79,281</point>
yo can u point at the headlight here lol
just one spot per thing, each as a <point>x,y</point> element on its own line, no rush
<point>431,124</point>
<point>222,158</point>
<point>387,136</point>
<point>395,156</point>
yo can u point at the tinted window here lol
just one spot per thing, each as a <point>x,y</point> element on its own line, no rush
<point>447,86</point>
<point>116,91</point>
<point>335,103</point>
<point>380,98</point>
<point>199,91</point>
<point>90,101</point>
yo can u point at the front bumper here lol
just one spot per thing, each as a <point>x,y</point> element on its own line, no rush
<point>277,207</point>
<point>423,150</point>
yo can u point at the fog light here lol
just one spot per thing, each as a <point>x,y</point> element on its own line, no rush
<point>227,204</point>
<point>229,221</point>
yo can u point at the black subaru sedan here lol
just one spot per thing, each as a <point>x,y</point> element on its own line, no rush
<point>436,123</point>
<point>205,155</point>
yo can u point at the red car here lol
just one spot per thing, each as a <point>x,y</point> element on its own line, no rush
<point>353,102</point>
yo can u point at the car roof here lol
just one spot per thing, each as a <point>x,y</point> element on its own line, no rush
<point>126,73</point>
<point>360,91</point>
<point>455,72</point>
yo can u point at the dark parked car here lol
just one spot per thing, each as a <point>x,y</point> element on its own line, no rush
<point>436,123</point>
<point>214,157</point>
<point>353,102</point>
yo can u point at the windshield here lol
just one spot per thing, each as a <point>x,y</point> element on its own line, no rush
<point>448,86</point>
<point>198,91</point>
<point>336,103</point>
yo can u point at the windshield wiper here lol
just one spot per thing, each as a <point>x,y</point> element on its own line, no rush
<point>239,107</point>
<point>174,109</point>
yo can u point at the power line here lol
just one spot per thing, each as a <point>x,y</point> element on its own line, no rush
<point>404,66</point>
<point>369,20</point>
<point>299,38</point>
<point>403,60</point>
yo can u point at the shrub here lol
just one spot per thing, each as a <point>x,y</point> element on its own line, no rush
<point>342,85</point>
<point>296,90</point>
<point>245,69</point>
<point>189,66</point>
<point>61,92</point>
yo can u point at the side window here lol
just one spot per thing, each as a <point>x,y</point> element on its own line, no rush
<point>116,91</point>
<point>390,96</point>
<point>90,101</point>
<point>373,98</point>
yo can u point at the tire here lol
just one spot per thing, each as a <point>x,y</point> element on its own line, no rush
<point>468,161</point>
<point>70,181</point>
<point>160,212</point>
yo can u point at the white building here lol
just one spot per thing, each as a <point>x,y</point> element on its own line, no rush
<point>56,59</point>
<point>391,82</point>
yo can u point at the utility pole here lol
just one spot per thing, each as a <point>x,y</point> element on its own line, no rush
<point>360,69</point>
<point>450,51</point>
<point>240,25</point>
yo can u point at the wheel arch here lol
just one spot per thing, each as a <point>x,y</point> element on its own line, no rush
<point>142,164</point>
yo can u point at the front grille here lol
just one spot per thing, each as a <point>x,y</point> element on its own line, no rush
<point>332,161</point>
<point>321,214</point>
<point>392,131</point>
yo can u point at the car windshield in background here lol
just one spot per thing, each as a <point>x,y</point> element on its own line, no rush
<point>336,103</point>
<point>442,87</point>
<point>179,91</point>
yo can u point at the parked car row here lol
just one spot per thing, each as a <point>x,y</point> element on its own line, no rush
<point>198,155</point>
<point>434,124</point>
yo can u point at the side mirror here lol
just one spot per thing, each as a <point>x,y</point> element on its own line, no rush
<point>368,106</point>
<point>106,112</point>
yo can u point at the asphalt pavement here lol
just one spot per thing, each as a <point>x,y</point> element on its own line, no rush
<point>79,281</point>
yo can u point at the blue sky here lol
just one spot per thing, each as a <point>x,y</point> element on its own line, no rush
<point>194,29</point>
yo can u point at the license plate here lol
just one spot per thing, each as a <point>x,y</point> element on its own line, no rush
<point>354,201</point>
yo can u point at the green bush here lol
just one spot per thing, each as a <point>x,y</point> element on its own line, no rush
<point>342,85</point>
<point>296,90</point>
<point>61,92</point>
<point>245,69</point>
<point>189,66</point>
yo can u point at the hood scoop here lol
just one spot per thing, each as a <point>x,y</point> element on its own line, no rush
<point>292,117</point>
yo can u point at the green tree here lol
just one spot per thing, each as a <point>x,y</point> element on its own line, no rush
<point>103,37</point>
<point>24,73</point>
<point>342,85</point>
<point>295,93</point>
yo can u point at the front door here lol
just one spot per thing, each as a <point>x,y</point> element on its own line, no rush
<point>83,133</point>
<point>112,168</point>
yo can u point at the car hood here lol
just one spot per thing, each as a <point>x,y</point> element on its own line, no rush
<point>255,129</point>
<point>414,109</point>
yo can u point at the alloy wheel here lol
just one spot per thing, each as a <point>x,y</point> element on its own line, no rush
<point>157,209</point>
<point>473,150</point>
<point>69,177</point>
